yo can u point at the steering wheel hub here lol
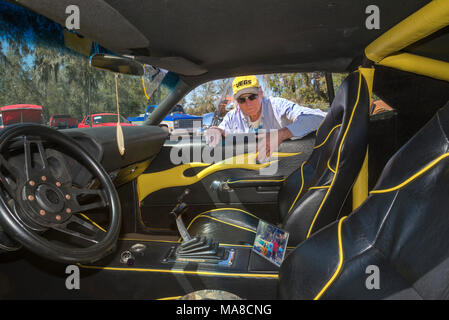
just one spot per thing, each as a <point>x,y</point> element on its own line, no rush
<point>45,201</point>
<point>50,198</point>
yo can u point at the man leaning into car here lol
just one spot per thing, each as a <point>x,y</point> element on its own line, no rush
<point>255,112</point>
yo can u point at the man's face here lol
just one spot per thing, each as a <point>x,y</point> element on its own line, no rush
<point>251,107</point>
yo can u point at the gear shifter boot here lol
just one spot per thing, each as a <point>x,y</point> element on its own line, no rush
<point>201,247</point>
<point>201,250</point>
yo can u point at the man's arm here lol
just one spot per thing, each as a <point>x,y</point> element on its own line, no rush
<point>298,119</point>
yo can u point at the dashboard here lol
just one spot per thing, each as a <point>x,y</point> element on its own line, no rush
<point>142,144</point>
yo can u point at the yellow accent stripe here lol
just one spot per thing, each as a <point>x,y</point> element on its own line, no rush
<point>174,177</point>
<point>199,273</point>
<point>169,298</point>
<point>338,156</point>
<point>302,186</point>
<point>329,166</point>
<point>202,215</point>
<point>232,209</point>
<point>231,224</point>
<point>319,187</point>
<point>340,262</point>
<point>413,177</point>
<point>328,135</point>
<point>91,221</point>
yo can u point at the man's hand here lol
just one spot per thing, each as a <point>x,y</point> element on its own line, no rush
<point>213,136</point>
<point>270,141</point>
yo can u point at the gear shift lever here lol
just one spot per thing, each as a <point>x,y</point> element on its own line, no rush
<point>177,212</point>
<point>199,249</point>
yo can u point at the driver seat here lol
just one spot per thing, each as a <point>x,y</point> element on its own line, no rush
<point>399,234</point>
<point>313,195</point>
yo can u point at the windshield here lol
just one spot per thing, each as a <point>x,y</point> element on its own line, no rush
<point>37,68</point>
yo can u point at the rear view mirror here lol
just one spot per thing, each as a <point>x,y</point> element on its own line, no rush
<point>116,64</point>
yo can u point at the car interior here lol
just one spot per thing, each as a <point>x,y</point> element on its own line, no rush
<point>145,215</point>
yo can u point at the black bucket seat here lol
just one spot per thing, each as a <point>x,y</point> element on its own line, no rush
<point>399,234</point>
<point>313,195</point>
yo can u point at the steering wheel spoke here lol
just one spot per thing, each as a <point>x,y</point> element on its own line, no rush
<point>31,165</point>
<point>8,177</point>
<point>80,229</point>
<point>90,199</point>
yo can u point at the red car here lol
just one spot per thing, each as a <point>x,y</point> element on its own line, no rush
<point>19,113</point>
<point>62,121</point>
<point>103,120</point>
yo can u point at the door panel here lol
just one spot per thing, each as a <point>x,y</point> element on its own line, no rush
<point>166,179</point>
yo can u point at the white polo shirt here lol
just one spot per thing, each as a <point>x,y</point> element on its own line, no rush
<point>277,113</point>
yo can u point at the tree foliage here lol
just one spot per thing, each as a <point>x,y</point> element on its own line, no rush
<point>37,68</point>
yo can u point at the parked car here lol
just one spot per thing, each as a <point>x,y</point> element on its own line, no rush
<point>177,121</point>
<point>20,113</point>
<point>63,121</point>
<point>103,120</point>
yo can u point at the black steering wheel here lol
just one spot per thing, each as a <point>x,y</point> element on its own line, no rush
<point>36,200</point>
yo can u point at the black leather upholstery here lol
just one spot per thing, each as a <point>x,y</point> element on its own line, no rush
<point>401,229</point>
<point>312,196</point>
<point>228,225</point>
<point>332,168</point>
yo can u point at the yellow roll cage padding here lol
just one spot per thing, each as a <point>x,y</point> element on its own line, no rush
<point>417,64</point>
<point>424,22</point>
<point>360,188</point>
<point>386,50</point>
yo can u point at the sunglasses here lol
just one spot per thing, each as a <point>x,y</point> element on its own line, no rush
<point>250,97</point>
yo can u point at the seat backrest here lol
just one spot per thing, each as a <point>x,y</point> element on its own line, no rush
<point>312,196</point>
<point>400,231</point>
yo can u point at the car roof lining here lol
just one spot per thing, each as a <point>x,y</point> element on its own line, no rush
<point>211,39</point>
<point>98,21</point>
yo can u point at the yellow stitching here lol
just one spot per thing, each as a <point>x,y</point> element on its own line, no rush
<point>338,156</point>
<point>319,187</point>
<point>169,298</point>
<point>329,134</point>
<point>218,209</point>
<point>416,175</point>
<point>199,273</point>
<point>231,224</point>
<point>329,166</point>
<point>302,185</point>
<point>340,262</point>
